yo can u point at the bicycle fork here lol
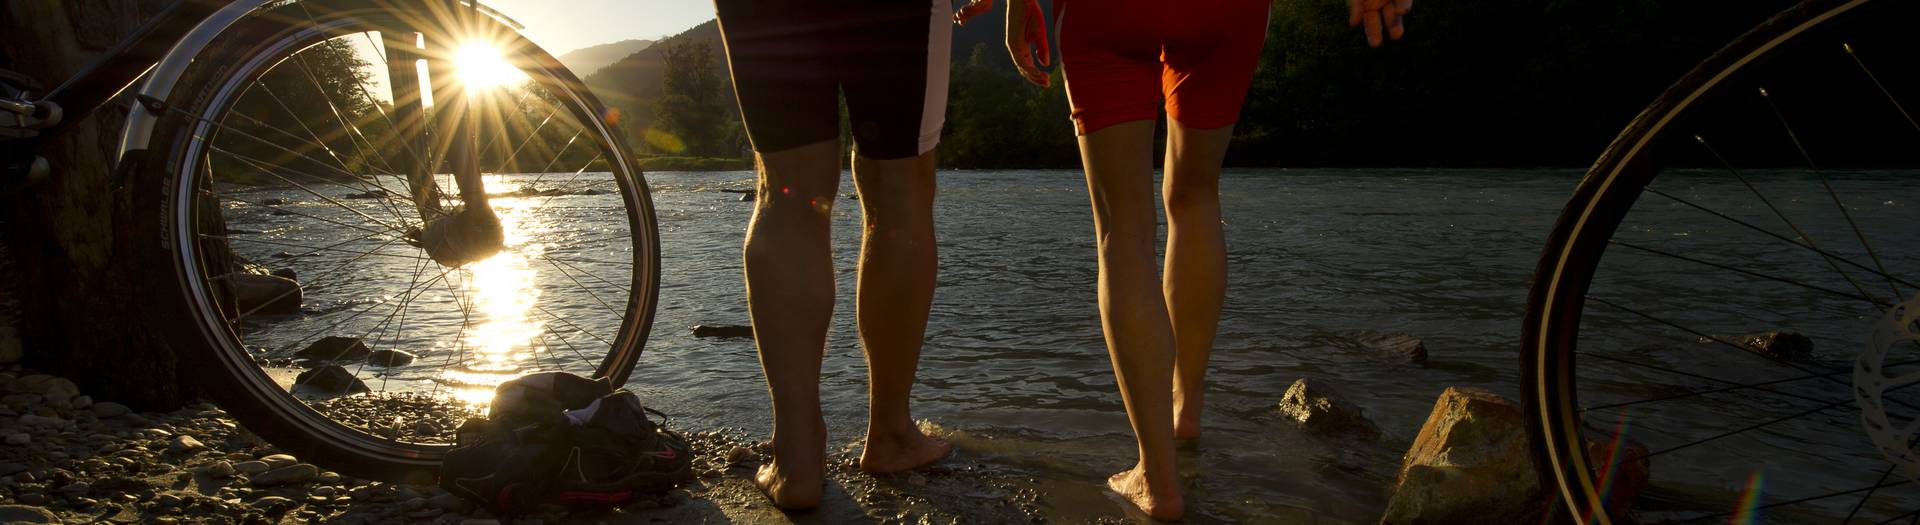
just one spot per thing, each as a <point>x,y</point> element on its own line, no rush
<point>471,231</point>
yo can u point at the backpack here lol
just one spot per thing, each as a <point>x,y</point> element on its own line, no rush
<point>558,438</point>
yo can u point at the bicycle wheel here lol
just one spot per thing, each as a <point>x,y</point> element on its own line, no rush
<point>299,146</point>
<point>1719,310</point>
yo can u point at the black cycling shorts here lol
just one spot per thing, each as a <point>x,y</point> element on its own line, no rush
<point>792,59</point>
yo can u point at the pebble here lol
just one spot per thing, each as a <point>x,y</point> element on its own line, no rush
<point>478,521</point>
<point>219,469</point>
<point>324,491</point>
<point>34,420</point>
<point>738,455</point>
<point>279,460</point>
<point>109,409</point>
<point>250,467</point>
<point>288,475</point>
<point>26,514</point>
<point>413,504</point>
<point>329,477</point>
<point>76,488</point>
<point>19,438</point>
<point>183,444</point>
<point>273,502</point>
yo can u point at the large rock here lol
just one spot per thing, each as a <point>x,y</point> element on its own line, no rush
<point>331,379</point>
<point>1471,464</point>
<point>1395,346</point>
<point>1317,407</point>
<point>723,331</point>
<point>335,348</point>
<point>288,475</point>
<point>255,294</point>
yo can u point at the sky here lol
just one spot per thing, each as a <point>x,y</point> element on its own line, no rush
<point>560,26</point>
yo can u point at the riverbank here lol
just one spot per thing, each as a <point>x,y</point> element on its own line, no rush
<point>70,459</point>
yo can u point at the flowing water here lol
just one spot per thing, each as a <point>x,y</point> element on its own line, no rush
<point>1015,367</point>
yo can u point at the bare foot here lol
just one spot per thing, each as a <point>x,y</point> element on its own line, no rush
<point>889,454</point>
<point>791,481</point>
<point>1161,502</point>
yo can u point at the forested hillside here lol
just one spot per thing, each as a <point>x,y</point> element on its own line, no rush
<point>1475,82</point>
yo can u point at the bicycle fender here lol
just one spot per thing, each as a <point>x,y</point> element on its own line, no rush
<point>166,73</point>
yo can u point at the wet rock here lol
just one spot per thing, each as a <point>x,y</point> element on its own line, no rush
<point>389,358</point>
<point>182,444</point>
<point>1319,408</point>
<point>77,488</point>
<point>1470,464</point>
<point>1778,344</point>
<point>288,475</point>
<point>723,331</point>
<point>335,348</point>
<point>19,438</point>
<point>1395,346</point>
<point>250,467</point>
<point>739,455</point>
<point>331,379</point>
<point>26,514</point>
<point>264,294</point>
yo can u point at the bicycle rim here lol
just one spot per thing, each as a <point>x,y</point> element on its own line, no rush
<point>1703,321</point>
<point>316,189</point>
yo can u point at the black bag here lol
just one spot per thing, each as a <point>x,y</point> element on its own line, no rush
<point>560,438</point>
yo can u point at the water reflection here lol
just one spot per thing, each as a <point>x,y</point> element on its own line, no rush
<point>503,338</point>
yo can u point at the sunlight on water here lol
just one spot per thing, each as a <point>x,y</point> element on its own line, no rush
<point>503,338</point>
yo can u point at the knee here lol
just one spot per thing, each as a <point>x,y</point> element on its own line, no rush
<point>1186,196</point>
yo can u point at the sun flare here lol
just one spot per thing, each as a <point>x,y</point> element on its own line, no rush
<point>481,65</point>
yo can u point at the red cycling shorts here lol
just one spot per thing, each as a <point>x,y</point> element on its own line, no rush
<point>1121,58</point>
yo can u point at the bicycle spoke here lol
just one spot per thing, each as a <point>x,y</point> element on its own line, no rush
<point>303,187</point>
<point>1698,393</point>
<point>584,288</point>
<point>305,247</point>
<point>1825,183</point>
<point>557,262</point>
<point>1737,384</point>
<point>1782,280</point>
<point>369,308</point>
<point>575,328</point>
<point>322,278</point>
<point>1751,226</point>
<point>317,140</point>
<point>1780,214</point>
<point>1834,494</point>
<point>1870,491</point>
<point>314,217</point>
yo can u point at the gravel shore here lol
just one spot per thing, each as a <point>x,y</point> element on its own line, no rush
<point>68,458</point>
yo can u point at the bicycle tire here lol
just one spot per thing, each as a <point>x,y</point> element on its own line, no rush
<point>187,308</point>
<point>1581,234</point>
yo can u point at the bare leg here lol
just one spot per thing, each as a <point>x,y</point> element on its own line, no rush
<point>897,267</point>
<point>1133,312</point>
<point>789,266</point>
<point>1196,272</point>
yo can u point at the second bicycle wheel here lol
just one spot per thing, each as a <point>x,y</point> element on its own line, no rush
<point>292,168</point>
<point>1721,326</point>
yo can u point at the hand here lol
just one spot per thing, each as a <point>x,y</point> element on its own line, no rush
<point>972,9</point>
<point>1026,30</point>
<point>1377,15</point>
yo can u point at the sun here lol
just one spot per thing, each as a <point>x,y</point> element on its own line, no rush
<point>481,65</point>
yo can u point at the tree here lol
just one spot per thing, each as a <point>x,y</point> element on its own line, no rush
<point>689,112</point>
